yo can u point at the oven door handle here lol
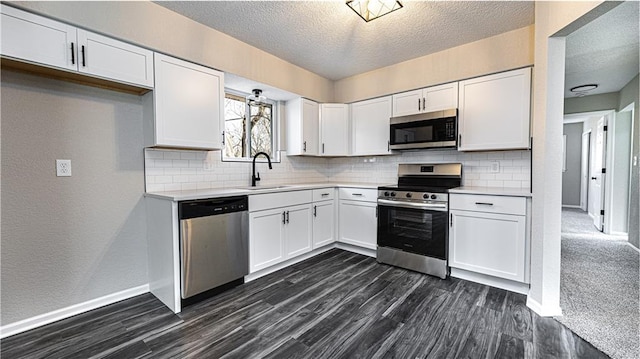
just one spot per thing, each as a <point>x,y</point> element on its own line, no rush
<point>427,206</point>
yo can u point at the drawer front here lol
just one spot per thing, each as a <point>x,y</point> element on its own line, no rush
<point>258,202</point>
<point>359,194</point>
<point>323,194</point>
<point>488,204</point>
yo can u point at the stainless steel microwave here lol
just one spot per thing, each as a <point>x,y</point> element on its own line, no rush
<point>438,129</point>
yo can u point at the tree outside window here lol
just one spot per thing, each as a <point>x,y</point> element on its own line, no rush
<point>248,128</point>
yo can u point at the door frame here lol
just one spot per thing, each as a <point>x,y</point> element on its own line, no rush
<point>585,159</point>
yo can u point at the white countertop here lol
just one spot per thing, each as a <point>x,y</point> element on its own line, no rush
<point>187,195</point>
<point>494,191</point>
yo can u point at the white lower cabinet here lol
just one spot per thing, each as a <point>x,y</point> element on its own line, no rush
<point>488,235</point>
<point>323,223</point>
<point>297,230</point>
<point>358,217</point>
<point>278,234</point>
<point>266,238</point>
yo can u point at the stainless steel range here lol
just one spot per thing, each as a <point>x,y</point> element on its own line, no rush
<point>413,217</point>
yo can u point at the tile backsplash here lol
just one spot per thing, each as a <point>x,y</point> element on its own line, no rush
<point>170,170</point>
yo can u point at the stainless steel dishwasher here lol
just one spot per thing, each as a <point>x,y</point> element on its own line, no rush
<point>214,243</point>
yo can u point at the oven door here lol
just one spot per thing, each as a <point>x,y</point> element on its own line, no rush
<point>418,228</point>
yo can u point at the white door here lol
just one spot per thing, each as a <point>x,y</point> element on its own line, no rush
<point>189,103</point>
<point>266,245</point>
<point>584,168</point>
<point>358,223</point>
<point>407,103</point>
<point>323,224</point>
<point>297,230</point>
<point>597,178</point>
<point>37,39</point>
<point>112,59</point>
<point>334,129</point>
<point>370,126</point>
<point>443,97</point>
<point>310,127</point>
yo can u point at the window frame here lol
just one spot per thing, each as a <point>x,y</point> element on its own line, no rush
<point>275,130</point>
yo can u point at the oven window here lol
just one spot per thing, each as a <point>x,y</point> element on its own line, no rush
<point>413,230</point>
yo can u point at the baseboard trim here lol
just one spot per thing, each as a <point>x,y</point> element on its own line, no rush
<point>634,247</point>
<point>571,206</point>
<point>513,286</point>
<point>542,310</point>
<point>63,313</point>
<point>355,249</point>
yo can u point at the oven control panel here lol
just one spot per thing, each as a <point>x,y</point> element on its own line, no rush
<point>399,195</point>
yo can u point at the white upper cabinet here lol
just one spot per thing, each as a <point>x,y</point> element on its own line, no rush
<point>494,112</point>
<point>435,98</point>
<point>370,126</point>
<point>334,129</point>
<point>188,103</point>
<point>303,126</point>
<point>105,57</point>
<point>35,39</point>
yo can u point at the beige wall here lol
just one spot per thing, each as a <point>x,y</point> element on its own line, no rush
<point>150,25</point>
<point>67,240</point>
<point>502,52</point>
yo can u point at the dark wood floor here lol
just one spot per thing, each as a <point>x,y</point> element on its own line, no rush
<point>335,305</point>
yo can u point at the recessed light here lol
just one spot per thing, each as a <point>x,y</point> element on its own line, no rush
<point>584,88</point>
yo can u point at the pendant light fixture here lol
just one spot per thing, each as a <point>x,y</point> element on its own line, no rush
<point>373,9</point>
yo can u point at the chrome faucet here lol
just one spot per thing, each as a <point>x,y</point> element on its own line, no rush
<point>255,178</point>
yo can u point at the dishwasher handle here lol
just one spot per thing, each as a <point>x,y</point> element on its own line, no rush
<point>212,207</point>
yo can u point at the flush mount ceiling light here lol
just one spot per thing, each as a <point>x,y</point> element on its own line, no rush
<point>256,99</point>
<point>373,9</point>
<point>583,89</point>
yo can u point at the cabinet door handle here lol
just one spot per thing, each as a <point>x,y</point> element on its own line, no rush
<point>83,57</point>
<point>223,138</point>
<point>284,216</point>
<point>315,214</point>
<point>418,104</point>
<point>484,204</point>
<point>287,217</point>
<point>388,146</point>
<point>73,54</point>
<point>304,146</point>
<point>451,220</point>
<point>357,194</point>
<point>424,104</point>
<point>323,148</point>
<point>459,140</point>
<point>324,194</point>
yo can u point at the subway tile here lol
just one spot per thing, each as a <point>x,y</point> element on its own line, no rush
<point>181,179</point>
<point>155,187</point>
<point>180,163</point>
<point>187,155</point>
<point>153,154</point>
<point>495,183</point>
<point>163,179</point>
<point>172,187</point>
<point>188,186</point>
<point>172,171</point>
<point>152,171</point>
<point>172,155</point>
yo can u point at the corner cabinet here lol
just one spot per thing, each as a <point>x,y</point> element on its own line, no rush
<point>303,126</point>
<point>188,105</point>
<point>370,127</point>
<point>435,98</point>
<point>489,235</point>
<point>494,112</point>
<point>35,39</point>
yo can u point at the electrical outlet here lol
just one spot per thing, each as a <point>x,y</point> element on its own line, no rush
<point>63,168</point>
<point>495,167</point>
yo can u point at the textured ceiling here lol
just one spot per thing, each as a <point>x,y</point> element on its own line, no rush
<point>605,51</point>
<point>329,39</point>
